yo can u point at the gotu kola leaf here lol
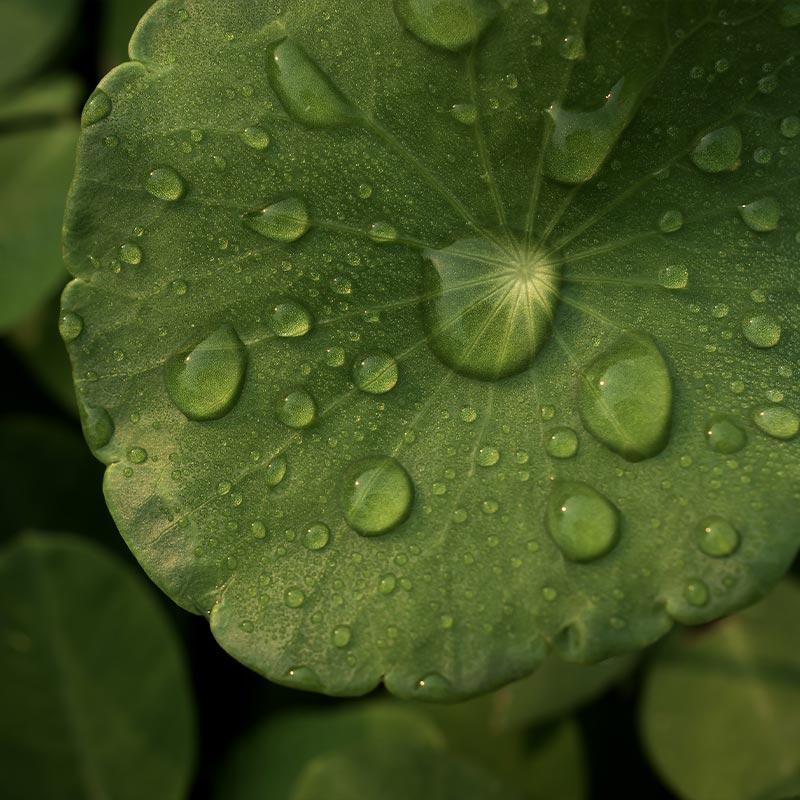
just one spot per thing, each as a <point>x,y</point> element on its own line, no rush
<point>418,338</point>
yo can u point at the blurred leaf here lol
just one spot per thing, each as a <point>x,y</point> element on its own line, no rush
<point>120,18</point>
<point>57,95</point>
<point>555,768</point>
<point>30,31</point>
<point>721,708</point>
<point>268,761</point>
<point>93,685</point>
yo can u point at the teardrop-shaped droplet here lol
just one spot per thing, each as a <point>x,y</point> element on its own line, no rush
<point>297,409</point>
<point>98,427</point>
<point>718,150</point>
<point>275,471</point>
<point>284,221</point>
<point>97,108</point>
<point>377,497</point>
<point>304,678</point>
<point>290,320</point>
<point>581,521</point>
<point>572,47</point>
<point>762,330</point>
<point>165,184</point>
<point>625,397</point>
<point>716,537</point>
<point>70,326</point>
<point>490,310</point>
<point>762,215</point>
<point>778,422</point>
<point>670,221</point>
<point>341,636</point>
<point>306,92</point>
<point>581,141</point>
<point>205,381</point>
<point>724,435</point>
<point>451,24</point>
<point>376,374</point>
<point>383,232</point>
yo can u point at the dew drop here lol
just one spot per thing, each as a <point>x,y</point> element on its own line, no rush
<point>70,326</point>
<point>716,537</point>
<point>131,254</point>
<point>275,471</point>
<point>674,276</point>
<point>165,184</point>
<point>341,636</point>
<point>625,397</point>
<point>256,137</point>
<point>549,594</point>
<point>777,421</point>
<point>377,496</point>
<point>297,409</point>
<point>724,435</point>
<point>696,593</point>
<point>294,597</point>
<point>387,584</point>
<point>465,113</point>
<point>718,150</point>
<point>762,215</point>
<point>137,455</point>
<point>335,356</point>
<point>383,233</point>
<point>205,381</point>
<point>306,92</point>
<point>304,678</point>
<point>670,221</point>
<point>581,521</point>
<point>98,427</point>
<point>790,126</point>
<point>762,330</point>
<point>316,536</point>
<point>434,687</point>
<point>290,320</point>
<point>97,108</point>
<point>284,221</point>
<point>572,47</point>
<point>487,456</point>
<point>469,414</point>
<point>376,374</point>
<point>540,7</point>
<point>450,24</point>
<point>562,443</point>
<point>258,529</point>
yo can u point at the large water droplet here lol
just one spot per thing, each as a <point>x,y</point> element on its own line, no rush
<point>562,443</point>
<point>307,93</point>
<point>724,435</point>
<point>625,397</point>
<point>451,24</point>
<point>376,374</point>
<point>70,326</point>
<point>583,524</point>
<point>762,330</point>
<point>289,320</point>
<point>165,184</point>
<point>581,141</point>
<point>490,310</point>
<point>465,113</point>
<point>674,276</point>
<point>98,427</point>
<point>762,215</point>
<point>297,409</point>
<point>205,380</point>
<point>284,221</point>
<point>777,421</point>
<point>97,108</point>
<point>294,597</point>
<point>378,494</point>
<point>716,537</point>
<point>718,150</point>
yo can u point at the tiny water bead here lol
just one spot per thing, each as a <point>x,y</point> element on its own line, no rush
<point>562,443</point>
<point>625,397</point>
<point>450,24</point>
<point>581,521</point>
<point>70,326</point>
<point>305,90</point>
<point>717,538</point>
<point>762,215</point>
<point>290,320</point>
<point>166,184</point>
<point>376,373</point>
<point>719,150</point>
<point>284,221</point>
<point>297,408</point>
<point>316,536</point>
<point>341,636</point>
<point>724,435</point>
<point>256,137</point>
<point>205,380</point>
<point>778,422</point>
<point>762,330</point>
<point>377,495</point>
<point>670,221</point>
<point>97,108</point>
<point>674,276</point>
<point>696,593</point>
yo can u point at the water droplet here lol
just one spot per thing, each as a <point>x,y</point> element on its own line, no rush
<point>625,397</point>
<point>341,636</point>
<point>316,536</point>
<point>718,150</point>
<point>583,524</point>
<point>304,678</point>
<point>258,529</point>
<point>70,326</point>
<point>131,254</point>
<point>294,597</point>
<point>696,593</point>
<point>572,47</point>
<point>562,443</point>
<point>716,537</point>
<point>97,108</point>
<point>540,7</point>
<point>777,421</point>
<point>724,435</point>
<point>165,184</point>
<point>761,330</point>
<point>297,409</point>
<point>674,276</point>
<point>465,113</point>
<point>762,215</point>
<point>549,594</point>
<point>491,309</point>
<point>275,471</point>
<point>205,380</point>
<point>306,92</point>
<point>487,456</point>
<point>335,356</point>
<point>469,414</point>
<point>581,141</point>
<point>256,137</point>
<point>670,221</point>
<point>98,427</point>
<point>284,221</point>
<point>137,455</point>
<point>383,233</point>
<point>790,126</point>
<point>378,494</point>
<point>451,24</point>
<point>376,374</point>
<point>289,320</point>
<point>434,687</point>
<point>387,584</point>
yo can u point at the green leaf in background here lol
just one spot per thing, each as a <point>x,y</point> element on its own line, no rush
<point>93,685</point>
<point>53,96</point>
<point>555,766</point>
<point>419,338</point>
<point>721,708</point>
<point>120,18</point>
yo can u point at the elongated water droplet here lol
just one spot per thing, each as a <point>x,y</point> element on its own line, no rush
<point>165,184</point>
<point>97,108</point>
<point>275,471</point>
<point>562,443</point>
<point>716,537</point>
<point>625,397</point>
<point>762,215</point>
<point>205,381</point>
<point>572,47</point>
<point>491,310</point>
<point>718,150</point>
<point>378,495</point>
<point>256,137</point>
<point>451,24</point>
<point>98,427</point>
<point>724,435</point>
<point>297,409</point>
<point>305,678</point>
<point>581,141</point>
<point>762,330</point>
<point>284,221</point>
<point>777,421</point>
<point>583,524</point>
<point>290,320</point>
<point>376,374</point>
<point>670,221</point>
<point>383,233</point>
<point>465,113</point>
<point>70,326</point>
<point>306,92</point>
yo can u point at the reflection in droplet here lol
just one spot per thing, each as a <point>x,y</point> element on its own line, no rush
<point>716,537</point>
<point>290,320</point>
<point>777,421</point>
<point>297,409</point>
<point>762,330</point>
<point>97,108</point>
<point>165,184</point>
<point>724,435</point>
<point>284,221</point>
<point>718,150</point>
<point>376,373</point>
<point>762,215</point>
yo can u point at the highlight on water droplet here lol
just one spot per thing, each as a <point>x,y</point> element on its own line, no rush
<point>377,495</point>
<point>625,397</point>
<point>294,597</point>
<point>719,150</point>
<point>434,686</point>
<point>165,184</point>
<point>284,221</point>
<point>297,408</point>
<point>131,254</point>
<point>376,373</point>
<point>97,108</point>
<point>205,380</point>
<point>762,215</point>
<point>716,537</point>
<point>561,443</point>
<point>779,422</point>
<point>305,678</point>
<point>316,536</point>
<point>290,320</point>
<point>450,24</point>
<point>762,330</point>
<point>582,522</point>
<point>724,435</point>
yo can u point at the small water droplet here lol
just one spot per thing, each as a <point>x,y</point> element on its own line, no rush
<point>335,356</point>
<point>465,113</point>
<point>378,495</point>
<point>316,536</point>
<point>582,522</point>
<point>383,233</point>
<point>131,254</point>
<point>670,221</point>
<point>434,687</point>
<point>696,593</point>
<point>304,678</point>
<point>387,584</point>
<point>376,374</point>
<point>70,326</point>
<point>562,443</point>
<point>777,421</point>
<point>450,24</point>
<point>165,184</point>
<point>762,330</point>
<point>98,427</point>
<point>724,435</point>
<point>256,137</point>
<point>487,456</point>
<point>275,471</point>
<point>294,597</point>
<point>719,150</point>
<point>289,320</point>
<point>341,636</point>
<point>762,215</point>
<point>284,221</point>
<point>258,529</point>
<point>137,455</point>
<point>790,126</point>
<point>97,108</point>
<point>674,276</point>
<point>572,47</point>
<point>297,408</point>
<point>716,537</point>
<point>549,594</point>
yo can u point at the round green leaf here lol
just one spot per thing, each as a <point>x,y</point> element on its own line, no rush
<point>721,709</point>
<point>93,685</point>
<point>408,331</point>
